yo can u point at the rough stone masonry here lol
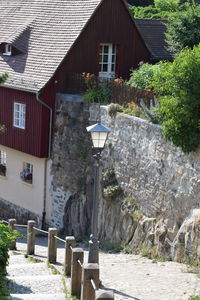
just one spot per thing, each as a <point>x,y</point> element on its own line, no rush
<point>163,182</point>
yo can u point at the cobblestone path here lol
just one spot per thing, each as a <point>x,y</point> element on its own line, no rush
<point>131,276</point>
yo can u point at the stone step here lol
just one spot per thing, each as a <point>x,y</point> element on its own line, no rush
<point>35,284</point>
<point>18,259</point>
<point>14,270</point>
<point>60,296</point>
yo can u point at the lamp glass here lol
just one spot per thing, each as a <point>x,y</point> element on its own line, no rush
<point>99,139</point>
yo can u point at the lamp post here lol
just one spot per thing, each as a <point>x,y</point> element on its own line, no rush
<point>99,134</point>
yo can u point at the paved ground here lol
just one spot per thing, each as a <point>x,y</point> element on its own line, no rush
<point>134,277</point>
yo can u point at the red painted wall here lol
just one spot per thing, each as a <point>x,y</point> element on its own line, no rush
<point>34,139</point>
<point>111,23</point>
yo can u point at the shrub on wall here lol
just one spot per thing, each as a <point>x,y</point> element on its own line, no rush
<point>141,78</point>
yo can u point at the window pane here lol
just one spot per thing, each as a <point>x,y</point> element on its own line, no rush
<point>105,67</point>
<point>106,49</point>
<point>105,58</point>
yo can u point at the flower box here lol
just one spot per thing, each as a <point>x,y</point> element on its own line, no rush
<point>2,170</point>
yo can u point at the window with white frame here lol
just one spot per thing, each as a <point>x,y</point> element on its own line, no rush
<point>2,163</point>
<point>19,115</point>
<point>8,50</point>
<point>107,60</point>
<point>27,173</point>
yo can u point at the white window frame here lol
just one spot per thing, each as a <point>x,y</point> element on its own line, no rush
<point>19,115</point>
<point>27,170</point>
<point>8,50</point>
<point>3,157</point>
<point>111,60</point>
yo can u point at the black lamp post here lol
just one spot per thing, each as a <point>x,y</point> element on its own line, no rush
<point>99,134</point>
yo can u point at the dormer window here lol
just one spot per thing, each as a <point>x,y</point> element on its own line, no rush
<point>8,50</point>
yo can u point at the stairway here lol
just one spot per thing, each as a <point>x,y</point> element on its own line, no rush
<point>29,280</point>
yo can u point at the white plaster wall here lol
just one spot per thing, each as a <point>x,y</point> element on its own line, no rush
<point>14,190</point>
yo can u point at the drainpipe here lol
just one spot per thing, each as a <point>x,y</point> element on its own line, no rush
<point>49,155</point>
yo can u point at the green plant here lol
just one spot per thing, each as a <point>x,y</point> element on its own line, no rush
<point>114,108</point>
<point>111,192</point>
<point>7,236</point>
<point>183,29</point>
<point>133,109</point>
<point>2,170</point>
<point>136,215</point>
<point>125,248</point>
<point>178,85</point>
<point>130,201</point>
<point>110,247</point>
<point>194,298</point>
<point>151,253</point>
<point>142,77</point>
<point>97,95</point>
<point>108,176</point>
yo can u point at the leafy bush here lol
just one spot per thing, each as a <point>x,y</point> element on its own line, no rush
<point>183,29</point>
<point>3,77</point>
<point>133,109</point>
<point>6,238</point>
<point>142,77</point>
<point>179,111</point>
<point>113,108</point>
<point>98,95</point>
<point>167,5</point>
<point>111,192</point>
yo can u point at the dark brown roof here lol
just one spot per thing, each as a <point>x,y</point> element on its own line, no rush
<point>153,33</point>
<point>43,31</point>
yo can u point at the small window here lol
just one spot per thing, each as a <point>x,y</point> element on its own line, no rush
<point>107,60</point>
<point>8,50</point>
<point>19,115</point>
<point>27,173</point>
<point>2,163</point>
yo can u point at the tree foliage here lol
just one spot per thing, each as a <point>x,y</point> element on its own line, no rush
<point>163,9</point>
<point>141,78</point>
<point>179,111</point>
<point>183,30</point>
<point>3,77</point>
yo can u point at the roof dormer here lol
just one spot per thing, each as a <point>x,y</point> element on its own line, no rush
<point>7,49</point>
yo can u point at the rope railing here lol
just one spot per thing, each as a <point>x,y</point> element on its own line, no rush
<point>93,284</point>
<point>80,273</point>
<point>59,239</point>
<point>3,221</point>
<point>40,230</point>
<point>20,225</point>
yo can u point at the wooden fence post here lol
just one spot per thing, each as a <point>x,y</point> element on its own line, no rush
<point>52,245</point>
<point>104,295</point>
<point>76,271</point>
<point>31,237</point>
<point>69,242</point>
<point>11,223</point>
<point>89,271</point>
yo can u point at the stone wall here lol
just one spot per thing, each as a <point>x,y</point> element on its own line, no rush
<point>71,173</point>
<point>163,182</point>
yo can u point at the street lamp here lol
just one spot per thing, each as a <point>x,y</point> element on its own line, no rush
<point>99,134</point>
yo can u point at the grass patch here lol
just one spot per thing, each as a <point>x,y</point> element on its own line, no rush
<point>194,298</point>
<point>110,247</point>
<point>151,253</point>
<point>32,259</point>
<point>54,271</point>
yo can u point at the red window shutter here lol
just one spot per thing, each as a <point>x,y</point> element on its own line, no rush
<point>119,61</point>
